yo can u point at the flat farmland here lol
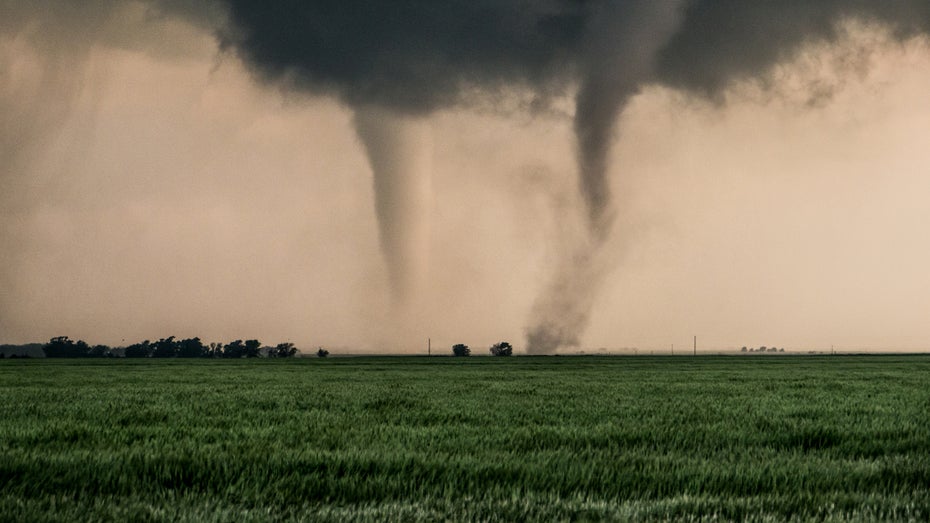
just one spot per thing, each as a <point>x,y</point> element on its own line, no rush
<point>421,439</point>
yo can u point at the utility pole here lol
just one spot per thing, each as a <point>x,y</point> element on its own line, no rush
<point>695,345</point>
<point>429,346</point>
<point>673,349</point>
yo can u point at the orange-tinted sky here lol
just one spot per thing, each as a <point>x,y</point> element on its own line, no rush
<point>148,194</point>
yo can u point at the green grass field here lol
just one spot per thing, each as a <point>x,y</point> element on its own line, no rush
<point>525,438</point>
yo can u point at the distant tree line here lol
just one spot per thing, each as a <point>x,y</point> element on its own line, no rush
<point>762,349</point>
<point>27,350</point>
<point>170,347</point>
<point>498,349</point>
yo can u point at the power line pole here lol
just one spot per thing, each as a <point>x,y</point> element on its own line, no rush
<point>429,346</point>
<point>695,345</point>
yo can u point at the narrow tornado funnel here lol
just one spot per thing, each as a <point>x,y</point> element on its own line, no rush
<point>399,149</point>
<point>623,41</point>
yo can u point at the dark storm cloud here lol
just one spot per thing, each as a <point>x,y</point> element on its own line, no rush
<point>722,40</point>
<point>419,55</point>
<point>413,56</point>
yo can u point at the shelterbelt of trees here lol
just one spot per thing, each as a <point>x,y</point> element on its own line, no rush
<point>64,347</point>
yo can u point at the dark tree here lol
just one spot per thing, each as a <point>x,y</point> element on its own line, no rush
<point>63,347</point>
<point>743,349</point>
<point>502,349</point>
<point>252,348</point>
<point>283,350</point>
<point>234,349</point>
<point>191,348</point>
<point>139,350</point>
<point>322,353</point>
<point>460,349</point>
<point>165,348</point>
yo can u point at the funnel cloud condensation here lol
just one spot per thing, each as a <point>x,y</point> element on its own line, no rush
<point>399,151</point>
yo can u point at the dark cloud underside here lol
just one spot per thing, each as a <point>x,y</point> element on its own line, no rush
<point>721,40</point>
<point>410,55</point>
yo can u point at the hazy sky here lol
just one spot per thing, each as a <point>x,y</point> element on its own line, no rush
<point>166,172</point>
